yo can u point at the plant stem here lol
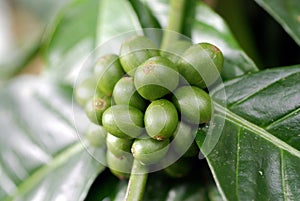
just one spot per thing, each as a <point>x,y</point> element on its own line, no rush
<point>176,16</point>
<point>137,182</point>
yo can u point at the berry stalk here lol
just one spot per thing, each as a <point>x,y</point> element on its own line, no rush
<point>137,182</point>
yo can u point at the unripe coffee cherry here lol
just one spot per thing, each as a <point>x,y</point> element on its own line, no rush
<point>201,64</point>
<point>183,142</point>
<point>85,90</point>
<point>108,71</point>
<point>193,103</point>
<point>161,119</point>
<point>125,94</point>
<point>123,121</point>
<point>149,151</point>
<point>175,50</point>
<point>155,78</point>
<point>120,167</point>
<point>96,135</point>
<point>96,106</point>
<point>118,146</point>
<point>136,51</point>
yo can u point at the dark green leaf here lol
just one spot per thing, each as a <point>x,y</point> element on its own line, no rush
<point>160,9</point>
<point>287,13</point>
<point>147,20</point>
<point>81,28</point>
<point>257,155</point>
<point>42,156</point>
<point>144,14</point>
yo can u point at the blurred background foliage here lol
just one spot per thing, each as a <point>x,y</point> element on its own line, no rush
<point>23,25</point>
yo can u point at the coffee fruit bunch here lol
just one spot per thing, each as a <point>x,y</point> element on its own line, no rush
<point>149,103</point>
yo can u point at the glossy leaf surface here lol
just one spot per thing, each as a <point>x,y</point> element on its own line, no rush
<point>41,156</point>
<point>81,28</point>
<point>257,155</point>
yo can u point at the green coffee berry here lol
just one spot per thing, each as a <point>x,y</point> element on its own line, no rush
<point>161,119</point>
<point>201,64</point>
<point>108,71</point>
<point>85,90</point>
<point>136,51</point>
<point>155,78</point>
<point>125,94</point>
<point>149,151</point>
<point>193,103</point>
<point>123,121</point>
<point>96,106</point>
<point>183,142</point>
<point>119,166</point>
<point>96,135</point>
<point>174,50</point>
<point>179,169</point>
<point>118,146</point>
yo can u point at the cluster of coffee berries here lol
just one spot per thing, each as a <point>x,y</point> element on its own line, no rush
<point>148,103</point>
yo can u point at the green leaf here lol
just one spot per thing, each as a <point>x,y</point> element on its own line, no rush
<point>81,28</point>
<point>287,13</point>
<point>257,154</point>
<point>42,156</point>
<point>144,14</point>
<point>160,9</point>
<point>147,20</point>
<point>207,26</point>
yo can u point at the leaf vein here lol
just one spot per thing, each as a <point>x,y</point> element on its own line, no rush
<point>237,164</point>
<point>239,121</point>
<point>254,93</point>
<point>54,110</point>
<point>286,116</point>
<point>282,176</point>
<point>43,171</point>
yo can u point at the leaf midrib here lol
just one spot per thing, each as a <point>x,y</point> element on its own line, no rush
<point>282,176</point>
<point>43,171</point>
<point>239,121</point>
<point>242,123</point>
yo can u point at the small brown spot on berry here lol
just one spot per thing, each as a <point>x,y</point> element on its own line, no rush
<point>159,138</point>
<point>298,18</point>
<point>99,104</point>
<point>149,68</point>
<point>216,50</point>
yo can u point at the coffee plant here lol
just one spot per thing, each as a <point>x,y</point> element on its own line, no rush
<point>153,100</point>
